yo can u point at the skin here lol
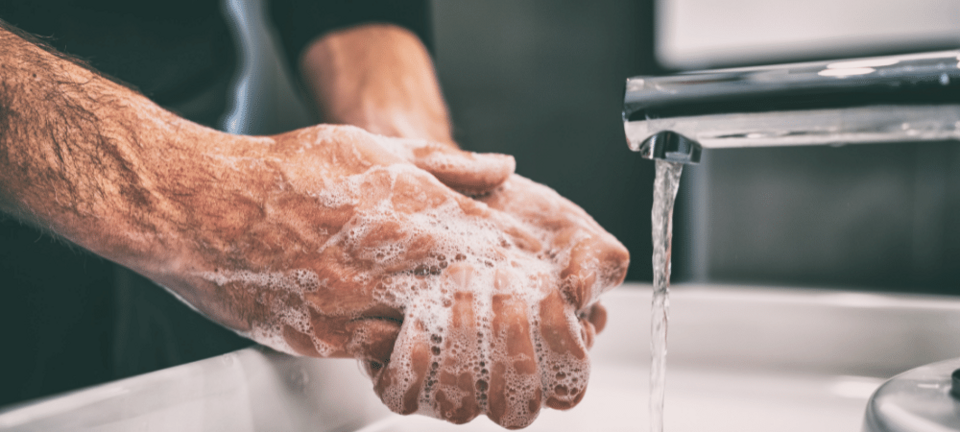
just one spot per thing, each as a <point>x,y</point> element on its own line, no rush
<point>381,78</point>
<point>329,241</point>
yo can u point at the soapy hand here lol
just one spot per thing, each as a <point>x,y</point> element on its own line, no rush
<point>340,243</point>
<point>585,260</point>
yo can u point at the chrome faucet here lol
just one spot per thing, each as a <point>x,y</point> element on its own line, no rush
<point>904,98</point>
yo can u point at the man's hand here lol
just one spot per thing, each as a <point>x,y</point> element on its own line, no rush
<point>331,242</point>
<point>381,78</point>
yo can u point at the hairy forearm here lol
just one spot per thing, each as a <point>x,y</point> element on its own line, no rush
<point>379,77</point>
<point>79,152</point>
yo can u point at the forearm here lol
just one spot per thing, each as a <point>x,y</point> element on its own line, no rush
<point>378,77</point>
<point>75,149</point>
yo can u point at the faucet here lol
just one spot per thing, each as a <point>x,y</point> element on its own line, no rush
<point>904,98</point>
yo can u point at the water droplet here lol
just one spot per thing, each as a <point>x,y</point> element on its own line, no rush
<point>944,79</point>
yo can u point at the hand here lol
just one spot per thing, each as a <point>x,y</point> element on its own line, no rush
<point>337,245</point>
<point>507,350</point>
<point>590,262</point>
<point>587,261</point>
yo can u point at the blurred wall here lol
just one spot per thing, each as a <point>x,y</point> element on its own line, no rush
<point>710,33</point>
<point>876,217</point>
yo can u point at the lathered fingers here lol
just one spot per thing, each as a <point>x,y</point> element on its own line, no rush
<point>515,383</point>
<point>400,383</point>
<point>457,380</point>
<point>563,356</point>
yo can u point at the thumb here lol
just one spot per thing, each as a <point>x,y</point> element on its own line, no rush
<point>463,171</point>
<point>371,340</point>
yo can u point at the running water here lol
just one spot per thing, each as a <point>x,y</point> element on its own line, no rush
<point>664,193</point>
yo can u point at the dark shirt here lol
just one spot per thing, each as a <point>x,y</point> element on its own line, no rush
<point>69,319</point>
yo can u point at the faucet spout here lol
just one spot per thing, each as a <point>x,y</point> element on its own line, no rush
<point>671,147</point>
<point>905,98</point>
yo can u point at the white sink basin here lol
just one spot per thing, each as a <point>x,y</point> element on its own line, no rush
<point>741,359</point>
<point>696,401</point>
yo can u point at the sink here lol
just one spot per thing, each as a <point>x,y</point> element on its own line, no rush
<point>740,359</point>
<point>697,400</point>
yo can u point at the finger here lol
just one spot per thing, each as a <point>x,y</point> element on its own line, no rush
<point>316,335</point>
<point>372,340</point>
<point>563,355</point>
<point>401,381</point>
<point>597,315</point>
<point>515,394</point>
<point>468,172</point>
<point>524,240</point>
<point>596,264</point>
<point>592,321</point>
<point>300,342</point>
<point>587,333</point>
<point>458,388</point>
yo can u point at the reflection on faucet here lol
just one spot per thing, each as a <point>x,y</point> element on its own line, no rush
<point>872,100</point>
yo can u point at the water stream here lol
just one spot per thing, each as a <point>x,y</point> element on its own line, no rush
<point>664,194</point>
